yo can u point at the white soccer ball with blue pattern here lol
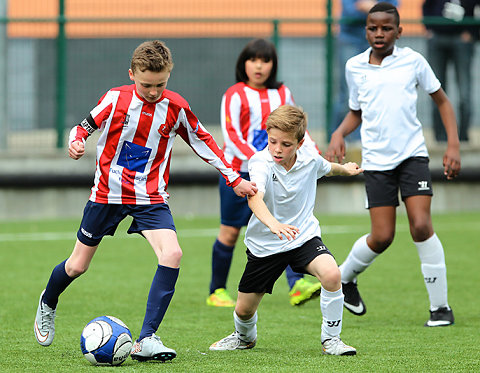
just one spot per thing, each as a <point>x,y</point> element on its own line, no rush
<point>106,340</point>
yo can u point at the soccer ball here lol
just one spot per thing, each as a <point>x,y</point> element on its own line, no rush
<point>106,340</point>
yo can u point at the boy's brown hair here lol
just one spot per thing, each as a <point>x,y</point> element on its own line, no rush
<point>152,55</point>
<point>289,119</point>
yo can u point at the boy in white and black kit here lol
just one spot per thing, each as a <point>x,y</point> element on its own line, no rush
<point>383,84</point>
<point>286,175</point>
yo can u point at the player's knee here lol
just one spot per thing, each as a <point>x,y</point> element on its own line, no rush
<point>380,242</point>
<point>331,278</point>
<point>174,256</point>
<point>244,312</point>
<point>75,269</point>
<point>421,231</point>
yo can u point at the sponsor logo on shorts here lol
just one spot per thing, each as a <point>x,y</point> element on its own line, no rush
<point>88,234</point>
<point>321,248</point>
<point>423,185</point>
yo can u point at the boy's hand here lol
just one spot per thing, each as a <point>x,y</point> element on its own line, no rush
<point>451,163</point>
<point>289,231</point>
<point>336,148</point>
<point>245,188</point>
<point>352,169</point>
<point>76,150</point>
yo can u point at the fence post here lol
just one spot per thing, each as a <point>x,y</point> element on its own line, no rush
<point>61,74</point>
<point>275,36</point>
<point>3,77</point>
<point>329,38</point>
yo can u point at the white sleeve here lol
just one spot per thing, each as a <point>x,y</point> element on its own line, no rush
<point>258,170</point>
<point>324,167</point>
<point>352,88</point>
<point>425,76</point>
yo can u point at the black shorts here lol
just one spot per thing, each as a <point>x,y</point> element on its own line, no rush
<point>261,273</point>
<point>412,177</point>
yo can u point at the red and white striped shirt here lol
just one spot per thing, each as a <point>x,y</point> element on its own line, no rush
<point>243,116</point>
<point>135,147</point>
<point>244,113</point>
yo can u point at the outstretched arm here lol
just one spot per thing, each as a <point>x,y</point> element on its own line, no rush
<point>260,209</point>
<point>347,169</point>
<point>451,158</point>
<point>336,148</point>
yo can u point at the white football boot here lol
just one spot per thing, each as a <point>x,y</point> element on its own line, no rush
<point>335,346</point>
<point>44,325</point>
<point>232,342</point>
<point>151,348</point>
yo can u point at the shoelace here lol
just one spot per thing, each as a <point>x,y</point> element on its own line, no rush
<point>47,317</point>
<point>232,340</point>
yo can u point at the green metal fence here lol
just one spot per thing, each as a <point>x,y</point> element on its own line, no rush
<point>72,64</point>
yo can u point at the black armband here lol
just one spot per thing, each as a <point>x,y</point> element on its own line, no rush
<point>88,124</point>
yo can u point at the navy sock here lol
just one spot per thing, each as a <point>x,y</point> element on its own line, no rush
<point>221,261</point>
<point>292,276</point>
<point>159,297</point>
<point>58,282</point>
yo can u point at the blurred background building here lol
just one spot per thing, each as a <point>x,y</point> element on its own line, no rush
<point>58,57</point>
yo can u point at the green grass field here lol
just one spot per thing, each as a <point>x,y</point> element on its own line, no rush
<point>389,338</point>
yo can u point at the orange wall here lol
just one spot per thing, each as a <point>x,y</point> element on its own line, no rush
<point>255,10</point>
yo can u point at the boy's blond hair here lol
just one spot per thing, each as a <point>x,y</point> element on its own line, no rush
<point>152,55</point>
<point>289,119</point>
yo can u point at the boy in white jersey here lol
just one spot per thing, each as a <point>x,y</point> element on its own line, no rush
<point>382,84</point>
<point>244,111</point>
<point>139,123</point>
<point>283,230</point>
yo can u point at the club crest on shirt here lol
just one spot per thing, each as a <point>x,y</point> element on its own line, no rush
<point>163,129</point>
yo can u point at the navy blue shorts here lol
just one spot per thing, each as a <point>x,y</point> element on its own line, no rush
<point>234,210</point>
<point>412,177</point>
<point>261,273</point>
<point>101,219</point>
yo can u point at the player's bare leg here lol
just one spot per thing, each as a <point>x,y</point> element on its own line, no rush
<point>363,254</point>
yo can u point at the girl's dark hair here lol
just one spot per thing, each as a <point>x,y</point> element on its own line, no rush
<point>387,8</point>
<point>258,48</point>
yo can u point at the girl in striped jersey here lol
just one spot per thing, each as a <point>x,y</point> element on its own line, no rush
<point>139,123</point>
<point>244,111</point>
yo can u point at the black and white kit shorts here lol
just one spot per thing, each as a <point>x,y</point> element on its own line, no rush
<point>412,177</point>
<point>261,272</point>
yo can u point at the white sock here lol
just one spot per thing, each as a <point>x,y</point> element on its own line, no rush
<point>358,260</point>
<point>434,270</point>
<point>331,305</point>
<point>246,328</point>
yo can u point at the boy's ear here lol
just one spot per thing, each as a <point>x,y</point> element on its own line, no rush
<point>130,74</point>
<point>400,29</point>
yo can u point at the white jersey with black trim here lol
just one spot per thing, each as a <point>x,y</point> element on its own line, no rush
<point>289,196</point>
<point>387,96</point>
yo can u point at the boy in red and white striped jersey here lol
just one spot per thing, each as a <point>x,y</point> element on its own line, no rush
<point>139,123</point>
